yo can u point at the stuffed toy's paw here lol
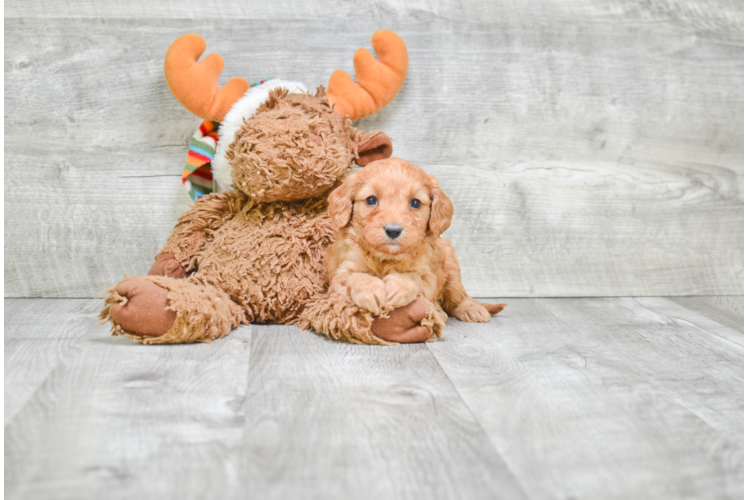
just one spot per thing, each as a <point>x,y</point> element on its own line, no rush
<point>337,317</point>
<point>167,265</point>
<point>164,310</point>
<point>404,323</point>
<point>141,308</point>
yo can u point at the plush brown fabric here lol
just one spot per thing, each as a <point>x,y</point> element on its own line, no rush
<point>198,313</point>
<point>167,265</point>
<point>257,253</point>
<point>269,258</point>
<point>139,305</point>
<point>195,228</point>
<point>336,317</point>
<point>378,147</point>
<point>404,323</point>
<point>296,147</point>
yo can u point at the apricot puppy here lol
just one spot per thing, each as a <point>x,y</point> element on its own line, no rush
<point>388,251</point>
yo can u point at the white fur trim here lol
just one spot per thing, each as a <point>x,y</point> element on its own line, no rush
<point>234,119</point>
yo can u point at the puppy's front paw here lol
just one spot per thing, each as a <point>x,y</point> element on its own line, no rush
<point>401,291</point>
<point>367,292</point>
<point>471,312</point>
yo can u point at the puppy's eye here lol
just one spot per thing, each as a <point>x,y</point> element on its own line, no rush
<point>371,201</point>
<point>414,203</point>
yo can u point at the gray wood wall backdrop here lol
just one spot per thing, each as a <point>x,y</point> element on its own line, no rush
<point>590,147</point>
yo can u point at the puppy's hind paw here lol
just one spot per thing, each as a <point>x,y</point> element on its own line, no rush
<point>471,311</point>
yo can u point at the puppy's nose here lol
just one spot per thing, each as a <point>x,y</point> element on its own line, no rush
<point>393,230</point>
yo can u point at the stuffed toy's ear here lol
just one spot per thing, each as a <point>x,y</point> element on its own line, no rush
<point>373,146</point>
<point>441,210</point>
<point>340,202</point>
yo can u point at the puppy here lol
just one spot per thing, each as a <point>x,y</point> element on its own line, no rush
<point>388,251</point>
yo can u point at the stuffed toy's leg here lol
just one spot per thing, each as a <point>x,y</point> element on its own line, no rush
<point>335,316</point>
<point>165,310</point>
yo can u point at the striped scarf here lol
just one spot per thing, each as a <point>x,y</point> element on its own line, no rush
<point>197,176</point>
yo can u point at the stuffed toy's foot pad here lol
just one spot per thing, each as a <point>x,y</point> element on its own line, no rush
<point>143,308</point>
<point>404,324</point>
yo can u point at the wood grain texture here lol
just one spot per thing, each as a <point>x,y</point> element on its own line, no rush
<point>745,391</point>
<point>291,416</point>
<point>331,420</point>
<point>604,398</point>
<point>91,222</point>
<point>38,335</point>
<point>119,420</point>
<point>728,310</point>
<point>596,149</point>
<point>645,229</point>
<point>709,13</point>
<point>554,398</point>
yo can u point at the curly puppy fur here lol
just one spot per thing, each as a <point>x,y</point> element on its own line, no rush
<point>379,271</point>
<point>261,247</point>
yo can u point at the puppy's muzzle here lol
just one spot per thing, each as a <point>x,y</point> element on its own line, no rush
<point>393,231</point>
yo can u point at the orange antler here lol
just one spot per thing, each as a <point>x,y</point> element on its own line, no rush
<point>377,80</point>
<point>195,85</point>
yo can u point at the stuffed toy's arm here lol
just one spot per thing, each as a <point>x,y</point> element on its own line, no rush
<point>193,230</point>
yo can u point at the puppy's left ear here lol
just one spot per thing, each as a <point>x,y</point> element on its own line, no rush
<point>372,146</point>
<point>340,202</point>
<point>441,210</point>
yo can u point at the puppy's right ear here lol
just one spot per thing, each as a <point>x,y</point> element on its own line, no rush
<point>340,202</point>
<point>442,210</point>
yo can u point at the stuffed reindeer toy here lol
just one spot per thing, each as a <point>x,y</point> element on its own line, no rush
<point>255,251</point>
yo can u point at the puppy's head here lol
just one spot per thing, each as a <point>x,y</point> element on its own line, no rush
<point>392,205</point>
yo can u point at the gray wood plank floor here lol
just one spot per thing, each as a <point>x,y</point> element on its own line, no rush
<point>555,398</point>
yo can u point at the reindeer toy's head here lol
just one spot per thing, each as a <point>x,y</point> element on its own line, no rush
<point>275,141</point>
